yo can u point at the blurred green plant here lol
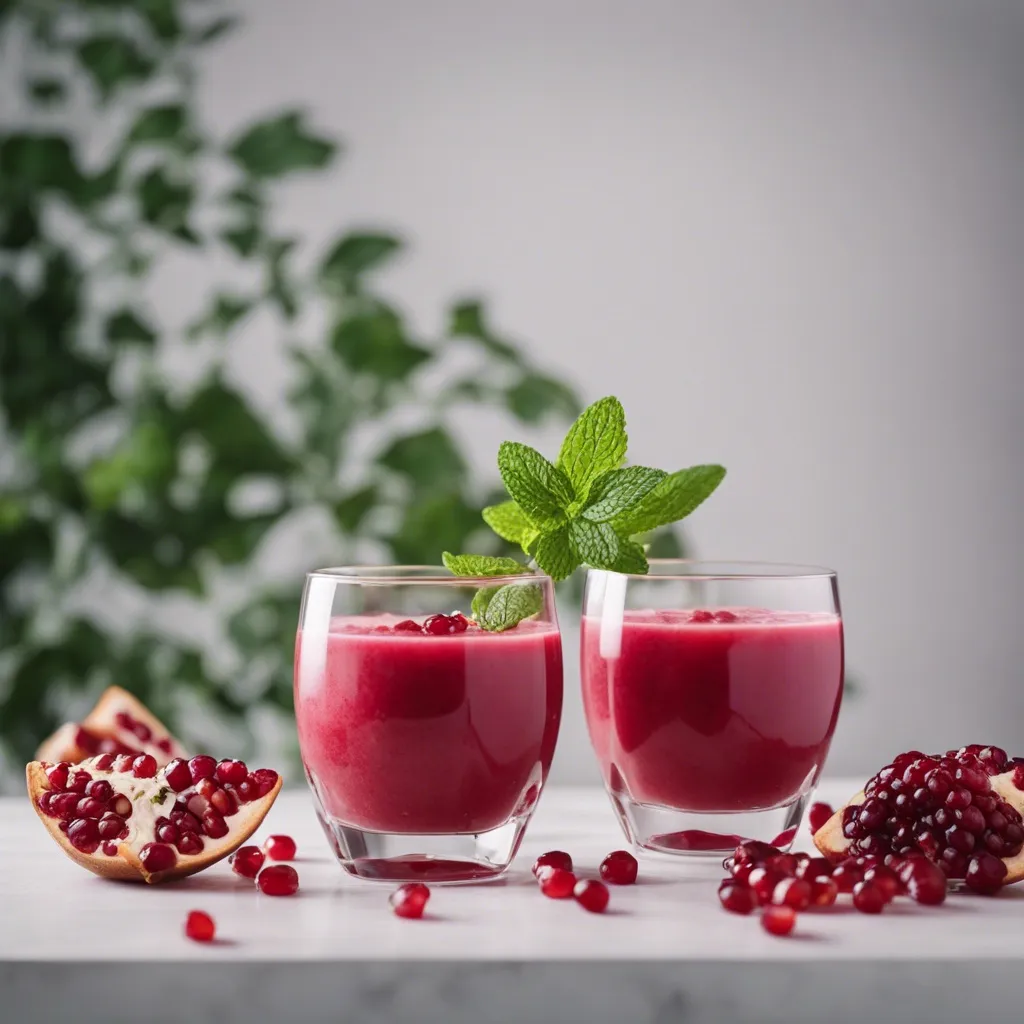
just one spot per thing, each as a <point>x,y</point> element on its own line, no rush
<point>113,469</point>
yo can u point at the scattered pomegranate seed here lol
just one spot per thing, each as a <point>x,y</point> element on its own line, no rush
<point>591,895</point>
<point>868,898</point>
<point>407,900</point>
<point>247,861</point>
<point>736,897</point>
<point>884,879</point>
<point>846,876</point>
<point>279,880</point>
<point>823,892</point>
<point>556,883</point>
<point>553,859</point>
<point>818,815</point>
<point>792,892</point>
<point>619,868</point>
<point>199,926</point>
<point>763,882</point>
<point>778,920</point>
<point>280,848</point>
<point>814,867</point>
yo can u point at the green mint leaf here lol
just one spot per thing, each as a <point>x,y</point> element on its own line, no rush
<point>596,443</point>
<point>556,555</point>
<point>481,599</point>
<point>510,523</point>
<point>541,490</point>
<point>482,565</point>
<point>507,606</point>
<point>673,499</point>
<point>600,546</point>
<point>614,493</point>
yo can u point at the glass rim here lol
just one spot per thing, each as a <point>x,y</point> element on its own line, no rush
<point>412,575</point>
<point>707,569</point>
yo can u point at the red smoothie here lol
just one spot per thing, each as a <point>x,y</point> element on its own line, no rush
<point>712,711</point>
<point>405,732</point>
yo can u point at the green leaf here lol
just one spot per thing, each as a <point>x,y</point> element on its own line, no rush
<point>375,342</point>
<point>541,490</point>
<point>162,16</point>
<point>467,320</point>
<point>47,90</point>
<point>126,327</point>
<point>429,459</point>
<point>596,443</point>
<point>673,499</point>
<point>244,240</point>
<point>613,493</point>
<point>351,510</point>
<point>510,523</point>
<point>556,555</point>
<point>664,542</point>
<point>159,124</point>
<point>599,545</point>
<point>279,287</point>
<point>536,396</point>
<point>39,163</point>
<point>482,565</point>
<point>355,254</point>
<point>507,606</point>
<point>440,521</point>
<point>166,203</point>
<point>280,146</point>
<point>213,30</point>
<point>113,61</point>
<point>224,313</point>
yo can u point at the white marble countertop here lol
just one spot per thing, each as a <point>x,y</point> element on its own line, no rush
<point>55,914</point>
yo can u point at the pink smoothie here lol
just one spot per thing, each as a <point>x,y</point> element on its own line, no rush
<point>413,733</point>
<point>713,715</point>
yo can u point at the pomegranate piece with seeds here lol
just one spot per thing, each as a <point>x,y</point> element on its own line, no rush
<point>280,848</point>
<point>279,880</point>
<point>110,815</point>
<point>552,859</point>
<point>619,868</point>
<point>961,811</point>
<point>199,926</point>
<point>409,900</point>
<point>778,920</point>
<point>118,724</point>
<point>556,883</point>
<point>592,896</point>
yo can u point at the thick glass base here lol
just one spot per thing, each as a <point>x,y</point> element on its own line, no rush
<point>433,859</point>
<point>705,833</point>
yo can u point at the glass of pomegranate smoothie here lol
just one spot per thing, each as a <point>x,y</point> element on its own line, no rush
<point>426,739</point>
<point>711,693</point>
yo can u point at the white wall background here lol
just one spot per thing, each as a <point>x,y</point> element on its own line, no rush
<point>789,236</point>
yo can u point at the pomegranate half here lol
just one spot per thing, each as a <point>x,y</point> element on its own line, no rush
<point>963,810</point>
<point>123,817</point>
<point>118,724</point>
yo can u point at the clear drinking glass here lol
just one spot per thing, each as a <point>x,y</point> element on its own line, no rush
<point>711,692</point>
<point>426,740</point>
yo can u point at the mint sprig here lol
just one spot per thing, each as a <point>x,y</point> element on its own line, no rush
<point>583,509</point>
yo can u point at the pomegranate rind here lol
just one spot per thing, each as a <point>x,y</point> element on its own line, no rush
<point>126,866</point>
<point>829,839</point>
<point>102,721</point>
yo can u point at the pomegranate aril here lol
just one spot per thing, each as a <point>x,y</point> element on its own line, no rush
<point>124,720</point>
<point>459,622</point>
<point>925,883</point>
<point>110,849</point>
<point>823,892</point>
<point>78,780</point>
<point>619,868</point>
<point>202,766</point>
<point>197,805</point>
<point>123,763</point>
<point>784,864</point>
<point>247,861</point>
<point>266,780</point>
<point>224,802</point>
<point>63,806</point>
<point>552,859</point>
<point>959,839</point>
<point>778,920</point>
<point>958,799</point>
<point>279,880</point>
<point>763,882</point>
<point>556,883</point>
<point>100,789</point>
<point>792,892</point>
<point>884,879</point>
<point>111,826</point>
<point>83,834</point>
<point>408,626</point>
<point>121,805</point>
<point>157,857</point>
<point>168,832</point>
<point>591,895</point>
<point>104,762</point>
<point>814,867</point>
<point>868,898</point>
<point>973,820</point>
<point>408,900</point>
<point>214,825</point>
<point>818,815</point>
<point>89,808</point>
<point>199,926</point>
<point>437,625</point>
<point>57,776</point>
<point>234,772</point>
<point>736,897</point>
<point>189,844</point>
<point>144,766</point>
<point>985,874</point>
<point>177,774</point>
<point>280,848</point>
<point>846,876</point>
